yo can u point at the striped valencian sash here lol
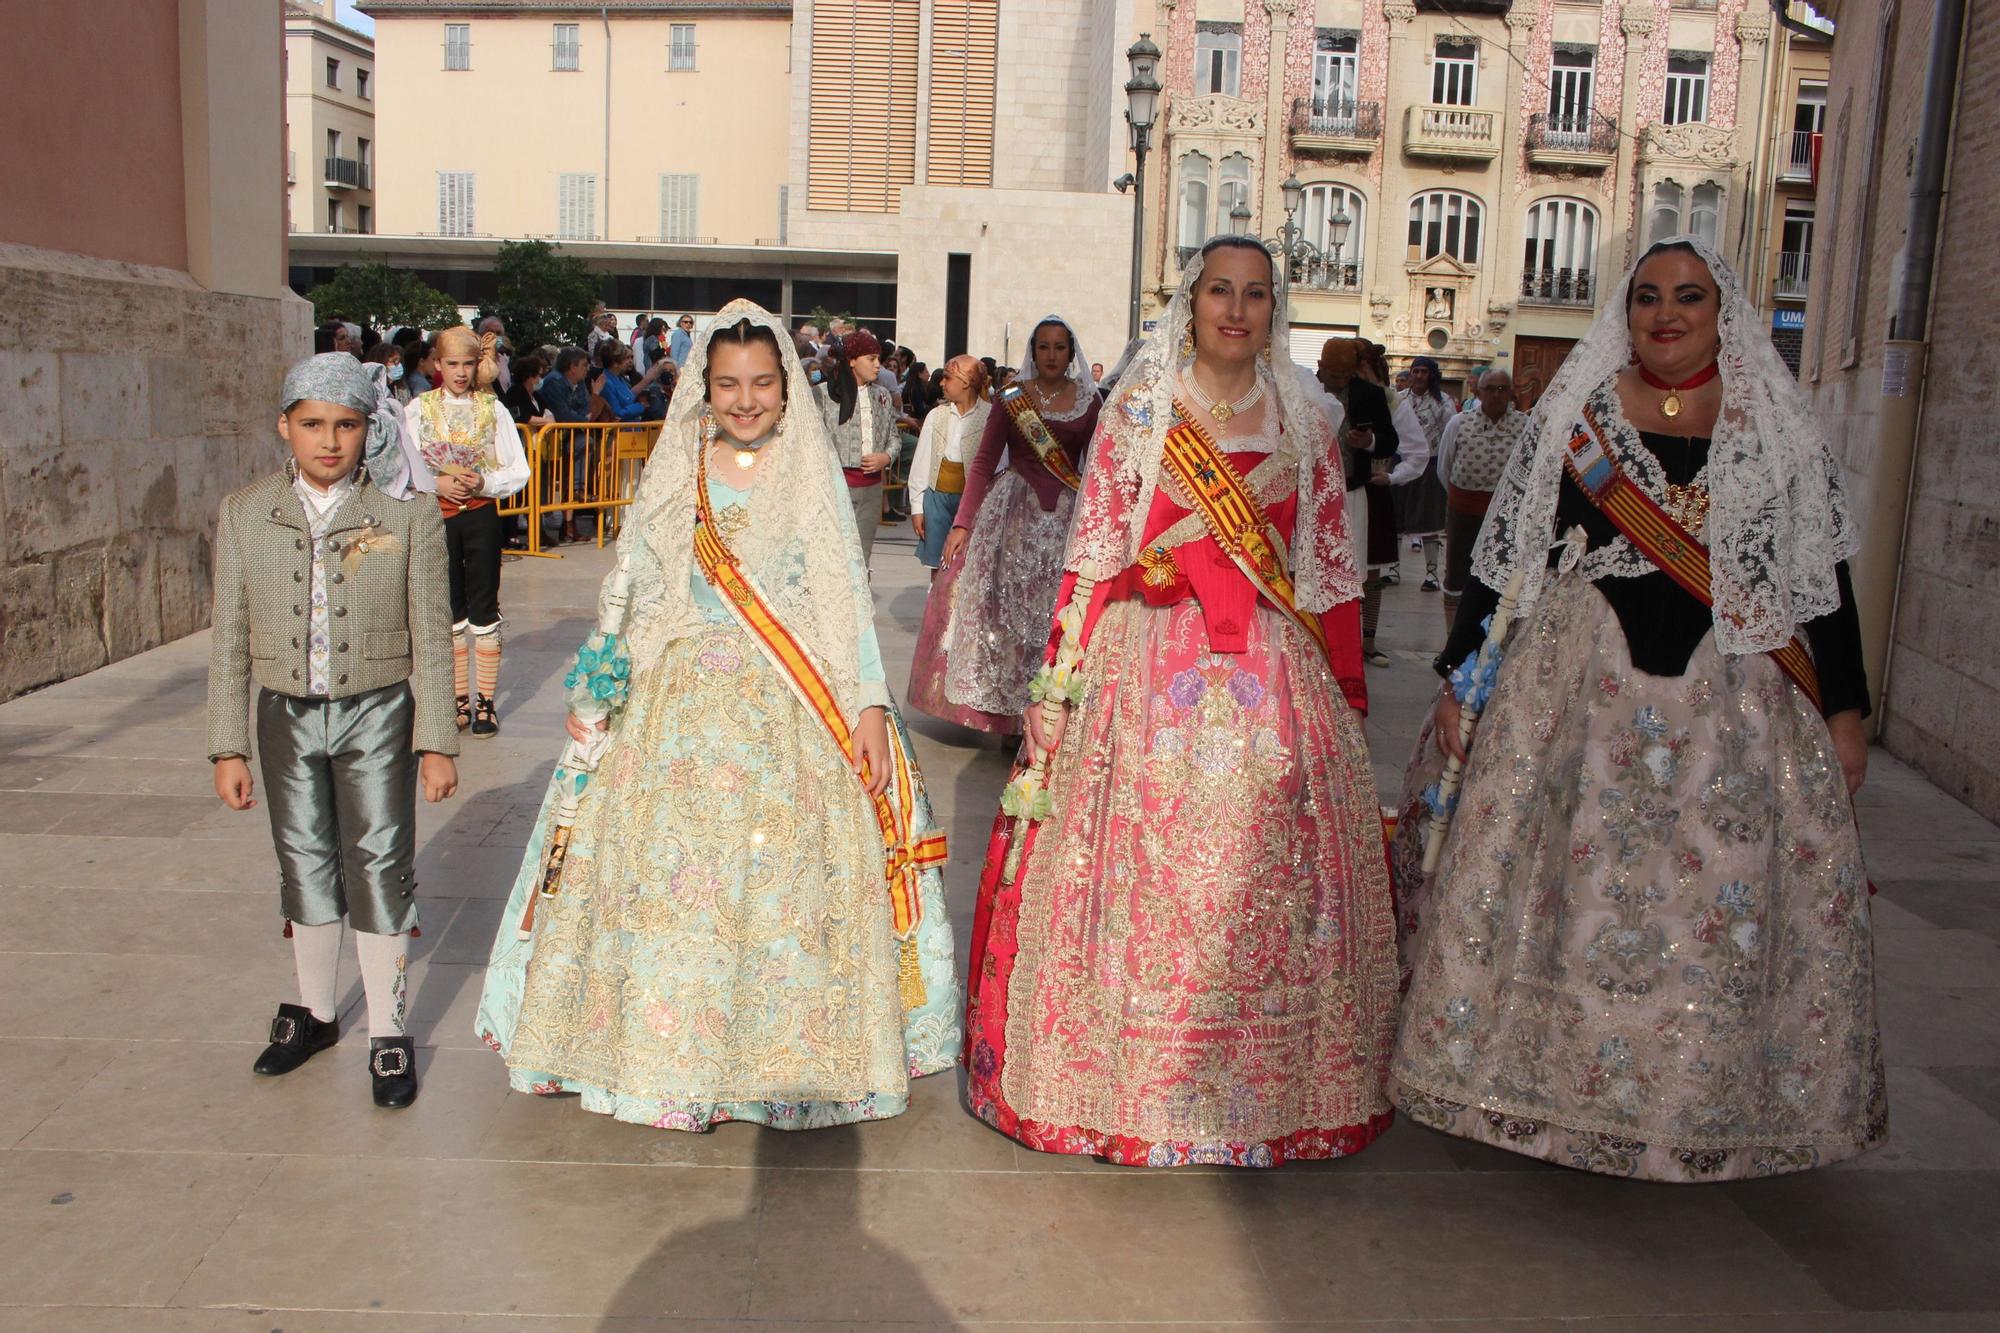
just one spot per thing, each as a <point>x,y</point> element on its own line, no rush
<point>1036,431</point>
<point>1659,537</point>
<point>905,853</point>
<point>1234,518</point>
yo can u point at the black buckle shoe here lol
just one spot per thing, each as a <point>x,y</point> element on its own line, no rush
<point>296,1036</point>
<point>484,723</point>
<point>392,1061</point>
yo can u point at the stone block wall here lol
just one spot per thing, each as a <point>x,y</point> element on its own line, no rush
<point>1941,706</point>
<point>131,401</point>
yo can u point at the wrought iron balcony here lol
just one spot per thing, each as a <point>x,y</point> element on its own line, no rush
<point>1458,132</point>
<point>1796,162</point>
<point>344,172</point>
<point>1558,286</point>
<point>1585,141</point>
<point>1794,272</point>
<point>1317,273</point>
<point>1336,125</point>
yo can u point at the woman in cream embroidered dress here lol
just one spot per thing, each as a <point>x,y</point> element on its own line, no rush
<point>721,946</point>
<point>1196,961</point>
<point>1011,526</point>
<point>1646,948</point>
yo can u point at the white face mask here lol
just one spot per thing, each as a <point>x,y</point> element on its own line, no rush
<point>395,371</point>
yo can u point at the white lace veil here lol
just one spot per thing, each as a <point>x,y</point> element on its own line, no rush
<point>1079,370</point>
<point>1777,518</point>
<point>800,545</point>
<point>1124,465</point>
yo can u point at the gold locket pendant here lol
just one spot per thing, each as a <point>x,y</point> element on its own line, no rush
<point>1670,406</point>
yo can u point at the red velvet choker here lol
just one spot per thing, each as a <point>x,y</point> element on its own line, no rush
<point>1670,406</point>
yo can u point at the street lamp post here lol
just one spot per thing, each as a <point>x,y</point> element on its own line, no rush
<point>1142,101</point>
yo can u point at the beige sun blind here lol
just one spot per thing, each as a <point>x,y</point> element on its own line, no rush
<point>965,41</point>
<point>862,145</point>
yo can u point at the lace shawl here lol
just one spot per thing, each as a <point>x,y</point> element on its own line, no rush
<point>800,546</point>
<point>1777,518</point>
<point>1124,465</point>
<point>1079,372</point>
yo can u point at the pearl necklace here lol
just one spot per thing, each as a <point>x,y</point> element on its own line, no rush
<point>1222,412</point>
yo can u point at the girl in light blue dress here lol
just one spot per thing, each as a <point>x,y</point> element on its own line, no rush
<point>732,905</point>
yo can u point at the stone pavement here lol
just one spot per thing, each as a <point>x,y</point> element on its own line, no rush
<point>149,1182</point>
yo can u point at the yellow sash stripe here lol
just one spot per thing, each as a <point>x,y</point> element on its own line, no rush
<point>1677,553</point>
<point>1047,448</point>
<point>1234,518</point>
<point>904,856</point>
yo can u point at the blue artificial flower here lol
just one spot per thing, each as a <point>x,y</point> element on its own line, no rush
<point>602,687</point>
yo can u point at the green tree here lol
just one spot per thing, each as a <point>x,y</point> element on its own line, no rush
<point>823,318</point>
<point>544,296</point>
<point>378,295</point>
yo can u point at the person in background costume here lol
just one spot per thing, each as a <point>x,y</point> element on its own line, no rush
<point>1371,443</point>
<point>1646,950</point>
<point>1420,507</point>
<point>1183,948</point>
<point>329,596</point>
<point>741,916</point>
<point>463,446</point>
<point>1011,524</point>
<point>937,479</point>
<point>1476,449</point>
<point>860,417</point>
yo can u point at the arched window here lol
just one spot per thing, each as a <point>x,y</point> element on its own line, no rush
<point>1674,211</point>
<point>1561,259</point>
<point>1334,270</point>
<point>1233,189</point>
<point>1445,222</point>
<point>1194,204</point>
<point>1665,212</point>
<point>1705,217</point>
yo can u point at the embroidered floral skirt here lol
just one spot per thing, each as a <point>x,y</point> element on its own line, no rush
<point>1646,950</point>
<point>720,947</point>
<point>1197,960</point>
<point>1006,598</point>
<point>933,659</point>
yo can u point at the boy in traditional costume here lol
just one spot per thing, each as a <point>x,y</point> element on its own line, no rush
<point>329,595</point>
<point>463,447</point>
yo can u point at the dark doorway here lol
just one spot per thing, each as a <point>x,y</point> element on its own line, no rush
<point>957,303</point>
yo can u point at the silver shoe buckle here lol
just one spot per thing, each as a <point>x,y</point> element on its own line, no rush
<point>284,1031</point>
<point>380,1062</point>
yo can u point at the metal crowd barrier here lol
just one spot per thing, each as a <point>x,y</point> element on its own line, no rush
<point>581,467</point>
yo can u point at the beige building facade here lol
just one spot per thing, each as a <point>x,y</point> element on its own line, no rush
<point>329,121</point>
<point>977,141</point>
<point>633,120</point>
<point>1497,164</point>
<point>144,322</point>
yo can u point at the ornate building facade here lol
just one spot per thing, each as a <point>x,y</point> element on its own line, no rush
<point>1473,173</point>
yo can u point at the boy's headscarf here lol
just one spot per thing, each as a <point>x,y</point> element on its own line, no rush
<point>336,377</point>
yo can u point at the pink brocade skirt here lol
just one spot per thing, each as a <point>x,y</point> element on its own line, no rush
<point>933,657</point>
<point>1196,962</point>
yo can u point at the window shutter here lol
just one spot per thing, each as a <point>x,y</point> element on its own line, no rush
<point>576,206</point>
<point>965,43</point>
<point>864,67</point>
<point>680,212</point>
<point>455,204</point>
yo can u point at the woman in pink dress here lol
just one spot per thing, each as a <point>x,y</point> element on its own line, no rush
<point>938,474</point>
<point>1190,956</point>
